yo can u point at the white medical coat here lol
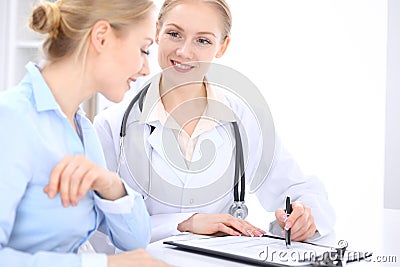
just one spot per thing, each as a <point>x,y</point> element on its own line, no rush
<point>284,177</point>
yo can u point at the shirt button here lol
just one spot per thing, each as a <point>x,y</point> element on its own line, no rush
<point>191,201</point>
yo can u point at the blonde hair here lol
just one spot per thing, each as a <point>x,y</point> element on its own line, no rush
<point>220,5</point>
<point>68,23</point>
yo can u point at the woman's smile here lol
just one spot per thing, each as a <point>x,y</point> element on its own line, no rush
<point>181,67</point>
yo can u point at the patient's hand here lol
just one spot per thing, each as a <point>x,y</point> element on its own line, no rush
<point>207,224</point>
<point>74,176</point>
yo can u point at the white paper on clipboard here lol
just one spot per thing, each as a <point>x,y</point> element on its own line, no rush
<point>267,251</point>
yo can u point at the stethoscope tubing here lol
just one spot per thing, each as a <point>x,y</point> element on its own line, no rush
<point>239,161</point>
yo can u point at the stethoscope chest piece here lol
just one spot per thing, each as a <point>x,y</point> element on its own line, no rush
<point>239,210</point>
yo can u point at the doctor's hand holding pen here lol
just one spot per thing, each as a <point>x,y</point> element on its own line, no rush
<point>300,222</point>
<point>208,224</point>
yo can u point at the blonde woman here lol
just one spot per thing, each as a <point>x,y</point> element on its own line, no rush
<point>55,189</point>
<point>181,121</point>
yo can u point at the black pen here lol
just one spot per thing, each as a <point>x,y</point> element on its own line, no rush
<point>288,212</point>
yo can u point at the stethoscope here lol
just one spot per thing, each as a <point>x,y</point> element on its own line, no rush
<point>238,209</point>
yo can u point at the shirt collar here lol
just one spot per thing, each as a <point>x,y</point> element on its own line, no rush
<point>42,94</point>
<point>153,108</point>
<point>43,97</point>
<point>218,106</point>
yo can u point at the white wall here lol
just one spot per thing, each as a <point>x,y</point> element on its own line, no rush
<point>392,170</point>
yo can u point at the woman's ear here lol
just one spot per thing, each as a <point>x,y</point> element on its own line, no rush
<point>157,39</point>
<point>223,47</point>
<point>100,33</point>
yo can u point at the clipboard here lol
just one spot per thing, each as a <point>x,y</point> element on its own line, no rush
<point>269,250</point>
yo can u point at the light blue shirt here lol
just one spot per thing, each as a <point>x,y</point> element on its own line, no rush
<point>38,231</point>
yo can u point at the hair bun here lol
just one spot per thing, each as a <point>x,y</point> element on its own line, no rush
<point>46,18</point>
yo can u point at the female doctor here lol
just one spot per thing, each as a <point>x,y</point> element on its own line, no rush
<point>180,144</point>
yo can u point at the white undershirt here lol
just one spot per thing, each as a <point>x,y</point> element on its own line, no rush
<point>188,143</point>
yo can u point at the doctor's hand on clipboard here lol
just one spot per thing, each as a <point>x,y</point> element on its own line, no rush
<point>300,222</point>
<point>208,224</point>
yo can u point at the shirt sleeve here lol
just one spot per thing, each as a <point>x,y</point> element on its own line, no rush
<point>126,220</point>
<point>47,259</point>
<point>105,133</point>
<point>14,174</point>
<point>94,260</point>
<point>165,225</point>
